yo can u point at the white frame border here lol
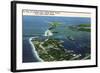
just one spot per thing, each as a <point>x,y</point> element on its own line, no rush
<point>21,65</point>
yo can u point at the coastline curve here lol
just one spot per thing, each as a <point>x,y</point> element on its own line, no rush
<point>34,50</point>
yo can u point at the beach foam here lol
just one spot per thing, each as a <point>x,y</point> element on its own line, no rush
<point>34,50</point>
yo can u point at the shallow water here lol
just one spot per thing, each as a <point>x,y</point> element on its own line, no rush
<point>28,55</point>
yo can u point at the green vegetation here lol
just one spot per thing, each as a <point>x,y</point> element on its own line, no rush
<point>84,29</point>
<point>53,50</point>
<point>81,27</point>
<point>84,25</point>
<point>51,29</point>
<point>54,24</point>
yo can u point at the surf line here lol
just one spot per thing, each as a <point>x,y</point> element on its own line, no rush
<point>34,50</point>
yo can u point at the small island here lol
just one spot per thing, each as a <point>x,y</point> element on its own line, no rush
<point>81,27</point>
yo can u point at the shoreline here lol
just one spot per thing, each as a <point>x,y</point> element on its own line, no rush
<point>34,50</point>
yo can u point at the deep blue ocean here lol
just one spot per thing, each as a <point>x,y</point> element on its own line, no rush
<point>37,25</point>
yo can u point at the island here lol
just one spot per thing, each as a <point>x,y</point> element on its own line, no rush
<point>81,27</point>
<point>52,50</point>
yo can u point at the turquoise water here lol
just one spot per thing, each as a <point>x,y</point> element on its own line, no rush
<point>37,25</point>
